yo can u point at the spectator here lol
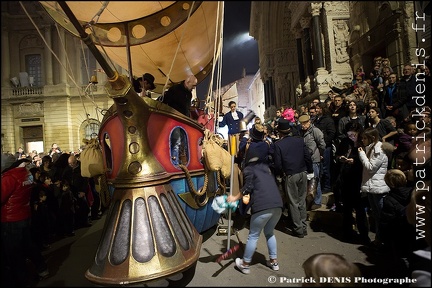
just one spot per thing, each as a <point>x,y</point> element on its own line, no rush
<point>375,163</point>
<point>314,140</point>
<point>349,183</point>
<point>79,186</point>
<point>266,199</point>
<point>16,240</point>
<point>330,266</point>
<point>40,224</point>
<point>67,210</point>
<point>20,154</point>
<point>403,141</point>
<point>397,234</point>
<point>353,116</point>
<point>54,149</point>
<point>385,129</point>
<point>293,162</point>
<point>394,100</point>
<point>325,123</point>
<point>338,111</point>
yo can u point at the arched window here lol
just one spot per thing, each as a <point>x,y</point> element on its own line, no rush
<point>89,129</point>
<point>34,69</point>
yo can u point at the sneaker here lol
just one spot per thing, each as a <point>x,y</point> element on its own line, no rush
<point>315,206</point>
<point>43,273</point>
<point>239,264</point>
<point>291,232</point>
<point>273,265</point>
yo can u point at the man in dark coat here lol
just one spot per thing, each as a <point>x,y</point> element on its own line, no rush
<point>325,123</point>
<point>179,96</point>
<point>293,160</point>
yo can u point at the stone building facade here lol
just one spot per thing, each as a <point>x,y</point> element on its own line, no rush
<point>306,46</point>
<point>57,105</point>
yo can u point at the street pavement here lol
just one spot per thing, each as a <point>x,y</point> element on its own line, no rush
<point>69,258</point>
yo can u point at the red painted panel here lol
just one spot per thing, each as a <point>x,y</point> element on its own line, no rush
<point>159,140</point>
<point>115,130</point>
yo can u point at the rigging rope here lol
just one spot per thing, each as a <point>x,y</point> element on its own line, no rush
<point>178,46</point>
<point>217,59</point>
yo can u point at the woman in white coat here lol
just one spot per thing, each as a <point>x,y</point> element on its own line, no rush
<point>375,163</point>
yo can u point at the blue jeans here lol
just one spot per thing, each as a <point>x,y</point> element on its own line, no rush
<point>317,175</point>
<point>267,220</point>
<point>376,204</point>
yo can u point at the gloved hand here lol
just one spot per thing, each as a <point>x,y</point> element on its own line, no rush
<point>310,176</point>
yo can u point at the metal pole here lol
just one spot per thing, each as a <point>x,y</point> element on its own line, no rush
<point>233,152</point>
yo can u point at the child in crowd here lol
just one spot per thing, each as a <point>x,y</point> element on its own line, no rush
<point>67,210</point>
<point>329,265</point>
<point>397,234</point>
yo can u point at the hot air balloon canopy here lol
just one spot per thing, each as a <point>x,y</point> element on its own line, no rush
<point>169,39</point>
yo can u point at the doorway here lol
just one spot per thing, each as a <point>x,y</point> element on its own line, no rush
<point>33,138</point>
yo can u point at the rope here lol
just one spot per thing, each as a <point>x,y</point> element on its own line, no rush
<point>178,46</point>
<point>190,184</point>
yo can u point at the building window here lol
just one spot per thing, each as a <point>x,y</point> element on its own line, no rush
<point>34,68</point>
<point>89,129</point>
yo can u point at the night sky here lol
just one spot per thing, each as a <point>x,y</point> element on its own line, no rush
<point>238,51</point>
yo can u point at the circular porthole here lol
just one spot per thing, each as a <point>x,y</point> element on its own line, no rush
<point>114,34</point>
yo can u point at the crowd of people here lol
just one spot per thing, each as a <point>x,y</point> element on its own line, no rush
<point>44,199</point>
<point>362,144</point>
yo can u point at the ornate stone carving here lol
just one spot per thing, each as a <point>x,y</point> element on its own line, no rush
<point>341,37</point>
<point>307,86</point>
<point>315,8</point>
<point>297,33</point>
<point>336,7</point>
<point>297,10</point>
<point>31,41</point>
<point>30,109</point>
<point>305,22</point>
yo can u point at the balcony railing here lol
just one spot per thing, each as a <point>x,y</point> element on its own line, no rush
<point>41,91</point>
<point>27,91</point>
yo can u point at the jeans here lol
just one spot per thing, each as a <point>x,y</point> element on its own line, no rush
<point>267,220</point>
<point>317,175</point>
<point>376,204</point>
